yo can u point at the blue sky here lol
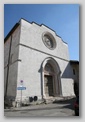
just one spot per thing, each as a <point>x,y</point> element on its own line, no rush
<point>62,18</point>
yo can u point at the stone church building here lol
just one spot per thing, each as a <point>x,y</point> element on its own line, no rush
<point>36,63</point>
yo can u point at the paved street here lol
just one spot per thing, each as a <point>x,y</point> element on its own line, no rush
<point>58,109</point>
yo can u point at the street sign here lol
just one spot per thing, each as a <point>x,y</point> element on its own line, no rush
<point>21,81</point>
<point>21,88</point>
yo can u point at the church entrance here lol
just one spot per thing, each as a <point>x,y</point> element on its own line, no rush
<point>51,81</point>
<point>48,83</point>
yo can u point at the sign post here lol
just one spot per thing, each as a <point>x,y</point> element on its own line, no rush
<point>21,91</point>
<point>21,88</point>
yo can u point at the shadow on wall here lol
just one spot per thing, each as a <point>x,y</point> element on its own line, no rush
<point>68,72</point>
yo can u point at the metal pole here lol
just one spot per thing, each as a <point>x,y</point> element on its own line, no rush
<point>21,98</point>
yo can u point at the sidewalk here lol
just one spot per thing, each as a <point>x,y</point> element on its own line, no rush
<point>42,110</point>
<point>30,107</point>
<point>34,106</point>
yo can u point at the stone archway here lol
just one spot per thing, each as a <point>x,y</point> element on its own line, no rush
<point>51,78</point>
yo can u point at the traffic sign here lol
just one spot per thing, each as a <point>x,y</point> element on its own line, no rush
<point>21,88</point>
<point>21,81</point>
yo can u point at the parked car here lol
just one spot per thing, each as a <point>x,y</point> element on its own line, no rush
<point>76,106</point>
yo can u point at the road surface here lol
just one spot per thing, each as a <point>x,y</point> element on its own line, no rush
<point>64,108</point>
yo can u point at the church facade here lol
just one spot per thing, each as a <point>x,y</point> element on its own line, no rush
<point>36,60</point>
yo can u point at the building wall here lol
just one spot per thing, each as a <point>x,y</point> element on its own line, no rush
<point>29,70</point>
<point>31,35</point>
<point>6,55</point>
<point>26,57</point>
<point>75,70</point>
<point>32,52</point>
<point>12,42</point>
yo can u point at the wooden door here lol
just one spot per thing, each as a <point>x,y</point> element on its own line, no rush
<point>48,83</point>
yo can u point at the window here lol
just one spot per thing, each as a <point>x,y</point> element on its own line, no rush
<point>49,40</point>
<point>74,71</point>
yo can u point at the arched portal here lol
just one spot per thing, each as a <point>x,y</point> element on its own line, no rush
<point>51,78</point>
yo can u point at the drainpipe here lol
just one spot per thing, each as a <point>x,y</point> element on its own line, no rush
<point>8,68</point>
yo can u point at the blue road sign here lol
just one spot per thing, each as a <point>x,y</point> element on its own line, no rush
<point>21,88</point>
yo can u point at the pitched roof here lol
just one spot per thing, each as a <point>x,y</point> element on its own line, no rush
<point>74,62</point>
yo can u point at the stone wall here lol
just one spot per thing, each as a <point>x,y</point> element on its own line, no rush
<point>32,52</point>
<point>26,57</point>
<point>11,48</point>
